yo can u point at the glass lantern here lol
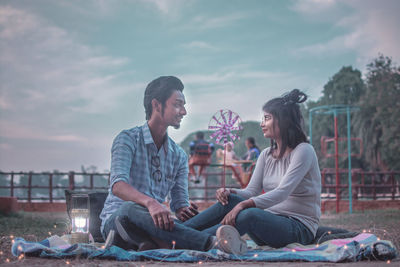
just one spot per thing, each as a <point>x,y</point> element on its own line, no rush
<point>80,218</point>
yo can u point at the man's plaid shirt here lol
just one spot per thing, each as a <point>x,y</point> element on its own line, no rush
<point>131,161</point>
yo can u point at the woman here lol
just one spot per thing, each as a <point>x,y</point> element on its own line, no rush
<point>251,154</point>
<point>253,151</point>
<point>230,155</point>
<point>288,172</point>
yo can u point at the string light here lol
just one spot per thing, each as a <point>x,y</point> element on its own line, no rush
<point>19,248</point>
<point>200,262</point>
<point>49,233</point>
<point>1,252</point>
<point>11,236</point>
<point>293,250</point>
<point>388,261</point>
<point>103,247</point>
<point>255,255</point>
<point>67,262</point>
<point>379,239</point>
<point>55,226</point>
<point>12,241</point>
<point>364,231</point>
<point>7,260</point>
<point>345,247</point>
<point>173,244</point>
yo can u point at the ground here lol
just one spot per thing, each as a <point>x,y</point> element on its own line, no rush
<point>37,226</point>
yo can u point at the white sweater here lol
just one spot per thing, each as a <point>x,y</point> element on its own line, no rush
<point>292,185</point>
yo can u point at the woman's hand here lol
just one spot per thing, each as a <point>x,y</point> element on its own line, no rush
<point>230,218</point>
<point>185,213</point>
<point>222,195</point>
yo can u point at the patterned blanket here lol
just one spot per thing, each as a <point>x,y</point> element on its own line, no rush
<point>362,247</point>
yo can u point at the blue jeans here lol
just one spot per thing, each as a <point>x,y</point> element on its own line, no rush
<point>264,227</point>
<point>142,226</point>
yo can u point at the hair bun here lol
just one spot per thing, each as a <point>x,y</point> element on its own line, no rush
<point>294,97</point>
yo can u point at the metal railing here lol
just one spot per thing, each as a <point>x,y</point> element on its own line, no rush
<point>365,184</point>
<point>50,186</point>
<point>30,186</point>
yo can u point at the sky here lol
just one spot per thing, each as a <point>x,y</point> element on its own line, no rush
<point>73,73</point>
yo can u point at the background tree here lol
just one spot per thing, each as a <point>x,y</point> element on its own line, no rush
<point>378,122</point>
<point>344,88</point>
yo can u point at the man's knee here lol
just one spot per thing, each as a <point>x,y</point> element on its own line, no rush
<point>133,210</point>
<point>127,205</point>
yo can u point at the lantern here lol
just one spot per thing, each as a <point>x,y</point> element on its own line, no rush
<point>80,218</point>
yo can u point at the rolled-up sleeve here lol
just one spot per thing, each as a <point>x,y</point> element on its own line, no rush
<point>121,158</point>
<point>179,192</point>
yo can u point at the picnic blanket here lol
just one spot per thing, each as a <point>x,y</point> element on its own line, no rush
<point>364,246</point>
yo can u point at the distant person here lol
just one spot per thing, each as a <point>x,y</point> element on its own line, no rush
<point>252,152</point>
<point>200,154</point>
<point>288,172</point>
<point>252,149</point>
<point>230,155</point>
<point>230,161</point>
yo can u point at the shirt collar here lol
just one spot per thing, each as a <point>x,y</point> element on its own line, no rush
<point>148,139</point>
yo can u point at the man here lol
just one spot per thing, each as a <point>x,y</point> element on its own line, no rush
<point>146,167</point>
<point>200,154</point>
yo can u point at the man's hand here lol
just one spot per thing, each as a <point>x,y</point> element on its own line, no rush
<point>161,216</point>
<point>186,213</point>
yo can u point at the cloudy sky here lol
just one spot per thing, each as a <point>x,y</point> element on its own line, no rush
<point>73,73</point>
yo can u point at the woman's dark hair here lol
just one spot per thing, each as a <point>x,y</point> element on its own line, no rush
<point>287,116</point>
<point>252,141</point>
<point>160,89</point>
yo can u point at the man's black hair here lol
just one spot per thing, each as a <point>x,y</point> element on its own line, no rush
<point>160,89</point>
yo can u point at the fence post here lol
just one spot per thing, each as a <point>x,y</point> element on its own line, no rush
<point>91,181</point>
<point>30,187</point>
<point>12,184</point>
<point>373,187</point>
<point>51,187</point>
<point>71,177</point>
<point>393,189</point>
<point>206,187</point>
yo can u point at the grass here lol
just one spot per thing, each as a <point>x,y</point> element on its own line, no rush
<point>37,226</point>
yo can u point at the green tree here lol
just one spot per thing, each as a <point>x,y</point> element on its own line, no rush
<point>378,121</point>
<point>344,88</point>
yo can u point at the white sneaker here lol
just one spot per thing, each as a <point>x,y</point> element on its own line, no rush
<point>229,240</point>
